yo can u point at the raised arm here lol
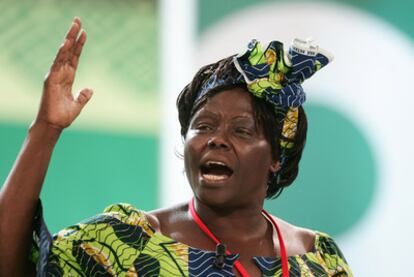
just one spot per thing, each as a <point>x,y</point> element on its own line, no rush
<point>20,192</point>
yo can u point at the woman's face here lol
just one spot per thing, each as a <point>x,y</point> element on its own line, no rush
<point>227,158</point>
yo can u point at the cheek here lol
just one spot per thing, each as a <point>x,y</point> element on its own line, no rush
<point>257,161</point>
<point>191,154</point>
<point>187,156</point>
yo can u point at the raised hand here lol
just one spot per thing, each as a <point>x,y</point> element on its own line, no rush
<point>21,190</point>
<point>58,107</point>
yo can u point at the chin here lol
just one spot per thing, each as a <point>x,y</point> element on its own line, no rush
<point>214,197</point>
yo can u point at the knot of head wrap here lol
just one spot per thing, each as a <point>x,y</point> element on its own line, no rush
<point>276,76</point>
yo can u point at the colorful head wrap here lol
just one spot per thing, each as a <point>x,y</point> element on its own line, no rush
<point>276,76</point>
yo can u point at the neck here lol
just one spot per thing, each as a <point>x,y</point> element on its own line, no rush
<point>224,222</point>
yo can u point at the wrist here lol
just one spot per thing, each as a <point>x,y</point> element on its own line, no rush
<point>46,131</point>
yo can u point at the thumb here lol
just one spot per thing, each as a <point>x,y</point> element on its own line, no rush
<point>83,97</point>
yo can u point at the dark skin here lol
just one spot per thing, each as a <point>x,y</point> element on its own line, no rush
<point>229,206</point>
<point>20,192</point>
<point>224,130</point>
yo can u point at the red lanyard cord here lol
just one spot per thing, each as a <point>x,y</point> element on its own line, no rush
<point>204,228</point>
<point>239,267</point>
<point>285,264</point>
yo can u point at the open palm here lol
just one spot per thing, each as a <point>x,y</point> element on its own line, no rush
<point>58,107</point>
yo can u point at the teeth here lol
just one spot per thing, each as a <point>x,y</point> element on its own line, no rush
<point>217,163</point>
<point>212,177</point>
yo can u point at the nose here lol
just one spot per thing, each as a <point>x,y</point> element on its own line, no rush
<point>217,142</point>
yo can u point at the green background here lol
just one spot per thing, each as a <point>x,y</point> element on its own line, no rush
<point>111,154</point>
<point>107,156</point>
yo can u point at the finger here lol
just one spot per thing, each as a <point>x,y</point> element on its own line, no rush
<point>65,50</point>
<point>60,54</point>
<point>78,49</point>
<point>83,97</point>
<point>77,20</point>
<point>73,31</point>
<point>71,38</point>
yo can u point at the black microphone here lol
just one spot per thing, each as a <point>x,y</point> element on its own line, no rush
<point>220,255</point>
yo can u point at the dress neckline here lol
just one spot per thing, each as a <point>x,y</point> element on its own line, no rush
<point>238,266</point>
<point>263,262</point>
<point>314,251</point>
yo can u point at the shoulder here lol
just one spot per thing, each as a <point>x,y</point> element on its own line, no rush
<point>166,220</point>
<point>124,212</point>
<point>331,255</point>
<point>116,236</point>
<point>159,220</point>
<point>317,246</point>
<point>326,245</point>
<point>113,219</point>
<point>298,240</point>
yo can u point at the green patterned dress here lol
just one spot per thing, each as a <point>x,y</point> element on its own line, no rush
<point>121,242</point>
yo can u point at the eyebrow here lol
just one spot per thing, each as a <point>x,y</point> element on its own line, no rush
<point>205,112</point>
<point>238,118</point>
<point>245,117</point>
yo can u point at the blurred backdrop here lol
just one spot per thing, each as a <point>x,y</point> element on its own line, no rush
<point>355,181</point>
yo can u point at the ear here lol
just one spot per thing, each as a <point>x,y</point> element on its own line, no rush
<point>275,166</point>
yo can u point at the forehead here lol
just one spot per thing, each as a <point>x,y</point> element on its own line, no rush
<point>236,101</point>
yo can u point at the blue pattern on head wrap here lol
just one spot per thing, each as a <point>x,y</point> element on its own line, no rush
<point>214,82</point>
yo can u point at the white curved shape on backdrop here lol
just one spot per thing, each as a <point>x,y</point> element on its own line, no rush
<point>370,82</point>
<point>177,38</point>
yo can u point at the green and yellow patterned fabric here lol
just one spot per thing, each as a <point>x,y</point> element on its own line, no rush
<point>121,242</point>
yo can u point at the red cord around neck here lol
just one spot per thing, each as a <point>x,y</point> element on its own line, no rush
<point>239,267</point>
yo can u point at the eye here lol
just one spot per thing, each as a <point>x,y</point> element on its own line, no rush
<point>244,132</point>
<point>203,127</point>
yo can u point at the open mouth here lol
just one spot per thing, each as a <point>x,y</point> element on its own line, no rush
<point>215,171</point>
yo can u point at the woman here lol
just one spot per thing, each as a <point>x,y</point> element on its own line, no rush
<point>244,131</point>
